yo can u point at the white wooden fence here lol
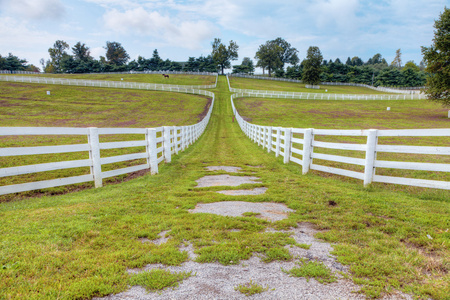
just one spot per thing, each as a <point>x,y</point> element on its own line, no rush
<point>404,90</point>
<point>18,72</point>
<point>108,84</point>
<point>160,143</point>
<point>285,142</point>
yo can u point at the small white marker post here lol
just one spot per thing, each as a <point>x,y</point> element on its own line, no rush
<point>48,93</point>
<point>388,108</point>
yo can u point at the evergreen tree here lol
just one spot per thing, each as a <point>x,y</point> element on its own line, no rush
<point>437,58</point>
<point>116,54</point>
<point>57,53</point>
<point>311,66</point>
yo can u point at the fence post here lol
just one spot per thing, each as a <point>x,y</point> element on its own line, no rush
<point>175,138</point>
<point>277,147</point>
<point>269,139</point>
<point>287,144</point>
<point>307,147</point>
<point>94,155</point>
<point>370,156</point>
<point>167,146</point>
<point>264,137</point>
<point>151,150</point>
<point>183,139</point>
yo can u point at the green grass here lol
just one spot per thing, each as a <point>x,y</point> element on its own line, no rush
<point>158,279</point>
<point>342,114</point>
<point>251,288</point>
<point>409,114</point>
<point>178,79</point>
<point>79,245</point>
<point>312,269</point>
<point>24,105</point>
<point>272,85</point>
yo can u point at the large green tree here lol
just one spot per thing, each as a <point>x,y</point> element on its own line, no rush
<point>311,65</point>
<point>274,54</point>
<point>81,52</point>
<point>12,63</point>
<point>57,54</point>
<point>116,54</point>
<point>288,54</point>
<point>245,67</point>
<point>437,59</point>
<point>268,56</point>
<point>223,55</point>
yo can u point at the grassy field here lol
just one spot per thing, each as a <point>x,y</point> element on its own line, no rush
<point>79,245</point>
<point>321,114</point>
<point>23,105</point>
<point>341,114</point>
<point>272,85</point>
<point>179,79</point>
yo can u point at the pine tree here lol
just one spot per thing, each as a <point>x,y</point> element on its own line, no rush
<point>437,58</point>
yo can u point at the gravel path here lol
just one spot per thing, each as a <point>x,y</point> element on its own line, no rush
<point>216,281</point>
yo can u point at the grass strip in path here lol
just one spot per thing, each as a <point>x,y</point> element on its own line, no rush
<point>80,245</point>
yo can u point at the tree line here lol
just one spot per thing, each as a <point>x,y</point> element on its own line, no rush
<point>276,57</point>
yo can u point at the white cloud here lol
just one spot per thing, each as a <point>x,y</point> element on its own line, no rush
<point>35,9</point>
<point>339,14</point>
<point>186,34</point>
<point>18,38</point>
<point>97,52</point>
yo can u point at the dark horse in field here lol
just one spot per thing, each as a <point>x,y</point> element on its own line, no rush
<point>165,75</point>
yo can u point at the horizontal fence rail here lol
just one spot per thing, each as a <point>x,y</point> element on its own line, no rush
<point>159,144</point>
<point>406,91</point>
<point>304,151</point>
<point>108,84</point>
<point>127,72</point>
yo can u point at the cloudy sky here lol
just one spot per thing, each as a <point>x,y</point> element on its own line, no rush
<point>179,29</point>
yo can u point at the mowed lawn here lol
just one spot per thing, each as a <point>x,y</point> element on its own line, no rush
<point>23,104</point>
<point>344,114</point>
<point>178,79</point>
<point>28,105</point>
<point>370,114</point>
<point>273,85</point>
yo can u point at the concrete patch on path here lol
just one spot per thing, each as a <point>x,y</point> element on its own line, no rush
<point>225,180</point>
<point>268,211</point>
<point>255,191</point>
<point>224,168</point>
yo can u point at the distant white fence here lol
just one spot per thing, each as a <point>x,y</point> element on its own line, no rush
<point>108,84</point>
<point>320,96</point>
<point>18,72</point>
<point>286,142</point>
<point>127,72</point>
<point>400,90</point>
<point>160,143</point>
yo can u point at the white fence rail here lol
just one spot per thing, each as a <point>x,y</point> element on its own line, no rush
<point>127,72</point>
<point>403,90</point>
<point>108,84</point>
<point>284,141</point>
<point>160,144</point>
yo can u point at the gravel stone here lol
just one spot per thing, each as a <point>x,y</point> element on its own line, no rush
<point>224,168</point>
<point>255,191</point>
<point>225,180</point>
<point>216,281</point>
<point>268,211</point>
